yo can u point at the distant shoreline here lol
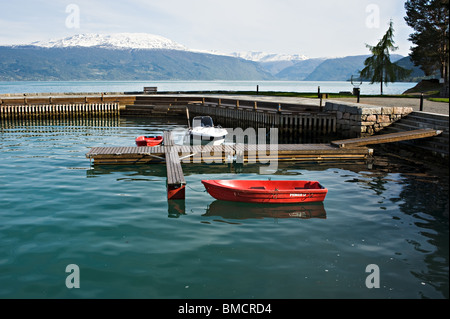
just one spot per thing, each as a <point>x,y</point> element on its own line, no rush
<point>91,87</point>
<point>387,100</point>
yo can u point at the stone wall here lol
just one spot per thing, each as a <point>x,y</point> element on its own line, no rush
<point>359,120</point>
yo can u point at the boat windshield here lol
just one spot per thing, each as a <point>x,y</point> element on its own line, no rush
<point>203,121</point>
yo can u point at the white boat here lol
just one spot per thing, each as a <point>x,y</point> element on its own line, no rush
<point>203,129</point>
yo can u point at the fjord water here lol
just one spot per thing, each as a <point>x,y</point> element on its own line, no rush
<point>14,87</point>
<point>115,224</point>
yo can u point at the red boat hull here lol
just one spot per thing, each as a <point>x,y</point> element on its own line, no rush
<point>250,191</point>
<point>149,140</point>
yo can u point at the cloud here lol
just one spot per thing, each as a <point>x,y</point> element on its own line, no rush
<point>315,28</point>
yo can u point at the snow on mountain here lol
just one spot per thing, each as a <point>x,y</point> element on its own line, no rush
<point>114,41</point>
<point>268,57</point>
<point>151,41</point>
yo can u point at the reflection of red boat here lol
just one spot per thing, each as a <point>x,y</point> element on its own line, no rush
<point>234,210</point>
<point>149,140</point>
<point>266,191</point>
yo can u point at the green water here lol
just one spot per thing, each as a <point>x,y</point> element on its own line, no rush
<point>115,224</point>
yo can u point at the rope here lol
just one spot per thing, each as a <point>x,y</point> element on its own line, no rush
<point>196,190</point>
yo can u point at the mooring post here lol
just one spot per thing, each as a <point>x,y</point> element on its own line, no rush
<point>318,91</point>
<point>257,89</point>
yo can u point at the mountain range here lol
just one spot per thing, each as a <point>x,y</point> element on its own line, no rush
<point>141,56</point>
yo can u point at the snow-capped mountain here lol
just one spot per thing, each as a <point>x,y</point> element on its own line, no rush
<point>152,41</point>
<point>268,57</point>
<point>114,41</point>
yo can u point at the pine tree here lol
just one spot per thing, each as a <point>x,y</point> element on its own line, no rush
<point>430,21</point>
<point>378,67</point>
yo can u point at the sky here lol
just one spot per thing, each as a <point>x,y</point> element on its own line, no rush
<point>318,28</point>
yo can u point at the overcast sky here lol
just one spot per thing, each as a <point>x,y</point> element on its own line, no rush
<point>318,28</point>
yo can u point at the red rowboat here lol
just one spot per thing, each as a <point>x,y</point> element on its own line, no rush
<point>149,140</point>
<point>266,191</point>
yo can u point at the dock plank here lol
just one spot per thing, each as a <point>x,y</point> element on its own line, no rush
<point>130,155</point>
<point>167,138</point>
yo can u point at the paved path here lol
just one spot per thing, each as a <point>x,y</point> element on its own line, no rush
<point>428,106</point>
<point>431,107</point>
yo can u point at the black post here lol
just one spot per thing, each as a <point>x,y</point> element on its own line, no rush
<point>358,94</point>
<point>257,89</point>
<point>421,102</point>
<point>318,92</point>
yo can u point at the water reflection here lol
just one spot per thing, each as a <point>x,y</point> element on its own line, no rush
<point>237,210</point>
<point>425,200</point>
<point>176,208</point>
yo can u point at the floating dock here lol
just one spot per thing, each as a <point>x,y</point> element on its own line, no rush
<point>174,155</point>
<point>221,153</point>
<point>387,138</point>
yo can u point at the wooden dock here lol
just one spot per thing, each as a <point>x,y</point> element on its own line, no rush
<point>176,183</point>
<point>220,153</point>
<point>387,138</point>
<point>14,112</point>
<point>286,117</point>
<point>175,155</point>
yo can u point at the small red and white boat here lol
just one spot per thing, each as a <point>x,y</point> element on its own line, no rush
<point>266,191</point>
<point>149,140</point>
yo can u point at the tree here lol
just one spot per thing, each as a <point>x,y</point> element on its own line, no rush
<point>378,67</point>
<point>430,20</point>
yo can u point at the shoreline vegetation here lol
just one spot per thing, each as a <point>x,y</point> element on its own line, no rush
<point>429,88</point>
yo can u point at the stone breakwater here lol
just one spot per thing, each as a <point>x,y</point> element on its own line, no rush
<point>354,119</point>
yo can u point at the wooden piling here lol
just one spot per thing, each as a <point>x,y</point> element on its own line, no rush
<point>56,110</point>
